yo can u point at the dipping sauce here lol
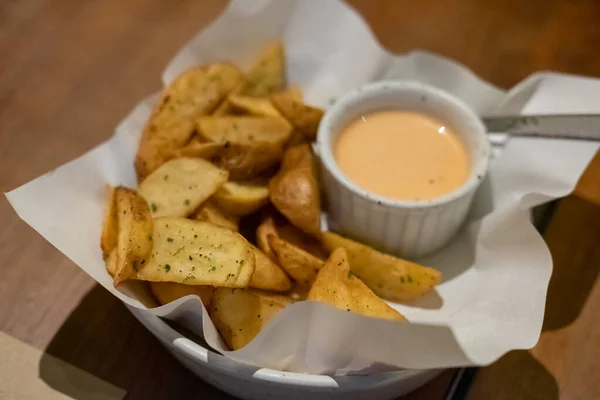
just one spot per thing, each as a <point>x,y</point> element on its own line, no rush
<point>402,155</point>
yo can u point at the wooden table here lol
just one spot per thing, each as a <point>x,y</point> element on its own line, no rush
<point>70,70</point>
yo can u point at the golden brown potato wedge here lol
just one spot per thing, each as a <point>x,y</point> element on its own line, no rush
<point>240,314</point>
<point>246,161</point>
<point>268,75</point>
<point>197,253</point>
<point>295,92</point>
<point>256,106</point>
<point>244,130</point>
<point>298,238</point>
<point>210,212</point>
<point>134,233</point>
<point>278,226</point>
<point>166,292</point>
<point>389,277</point>
<point>265,229</point>
<point>197,149</point>
<point>194,93</point>
<point>179,186</point>
<point>298,293</point>
<point>304,117</point>
<point>110,230</point>
<point>338,286</point>
<point>297,263</point>
<point>111,262</point>
<point>268,275</point>
<point>241,198</point>
<point>296,138</point>
<point>294,191</point>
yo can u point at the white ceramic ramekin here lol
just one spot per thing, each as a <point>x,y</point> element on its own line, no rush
<point>405,228</point>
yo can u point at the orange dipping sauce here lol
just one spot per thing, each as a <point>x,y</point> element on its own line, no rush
<point>402,155</point>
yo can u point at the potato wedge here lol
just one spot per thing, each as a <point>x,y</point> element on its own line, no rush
<point>298,238</point>
<point>338,286</point>
<point>241,198</point>
<point>268,275</point>
<point>111,262</point>
<point>209,212</point>
<point>300,265</point>
<point>246,161</point>
<point>265,229</point>
<point>389,277</point>
<point>135,230</point>
<point>295,92</point>
<point>197,253</point>
<point>194,93</point>
<point>240,314</point>
<point>244,130</point>
<point>302,116</point>
<point>298,293</point>
<point>166,292</point>
<point>256,106</point>
<point>294,191</point>
<point>268,75</point>
<point>280,227</point>
<point>110,231</point>
<point>197,149</point>
<point>179,186</point>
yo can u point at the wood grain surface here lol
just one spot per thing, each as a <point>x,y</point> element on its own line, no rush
<point>70,70</point>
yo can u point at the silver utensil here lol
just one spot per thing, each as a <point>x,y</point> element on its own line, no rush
<point>582,127</point>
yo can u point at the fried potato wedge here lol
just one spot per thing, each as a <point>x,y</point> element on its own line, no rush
<point>166,292</point>
<point>294,190</point>
<point>111,262</point>
<point>302,116</point>
<point>246,161</point>
<point>197,149</point>
<point>338,286</point>
<point>268,75</point>
<point>197,253</point>
<point>240,314</point>
<point>265,229</point>
<point>110,230</point>
<point>298,293</point>
<point>298,238</point>
<point>256,106</point>
<point>223,109</point>
<point>295,92</point>
<point>210,212</point>
<point>268,275</point>
<point>244,130</point>
<point>194,93</point>
<point>179,186</point>
<point>134,229</point>
<point>280,227</point>
<point>241,198</point>
<point>389,277</point>
<point>300,265</point>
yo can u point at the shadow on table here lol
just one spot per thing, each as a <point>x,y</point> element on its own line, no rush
<point>517,375</point>
<point>102,338</point>
<point>572,236</point>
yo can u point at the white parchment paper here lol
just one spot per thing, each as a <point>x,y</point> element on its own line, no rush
<point>496,272</point>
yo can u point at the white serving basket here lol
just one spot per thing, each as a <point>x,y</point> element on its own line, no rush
<point>253,383</point>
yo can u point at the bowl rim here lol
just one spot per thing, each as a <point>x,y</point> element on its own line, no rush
<point>200,354</point>
<point>337,110</point>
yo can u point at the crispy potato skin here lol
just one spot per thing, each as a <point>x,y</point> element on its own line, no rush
<point>294,190</point>
<point>194,93</point>
<point>337,286</point>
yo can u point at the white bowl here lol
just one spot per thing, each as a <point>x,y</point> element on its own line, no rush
<point>253,383</point>
<point>406,228</point>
